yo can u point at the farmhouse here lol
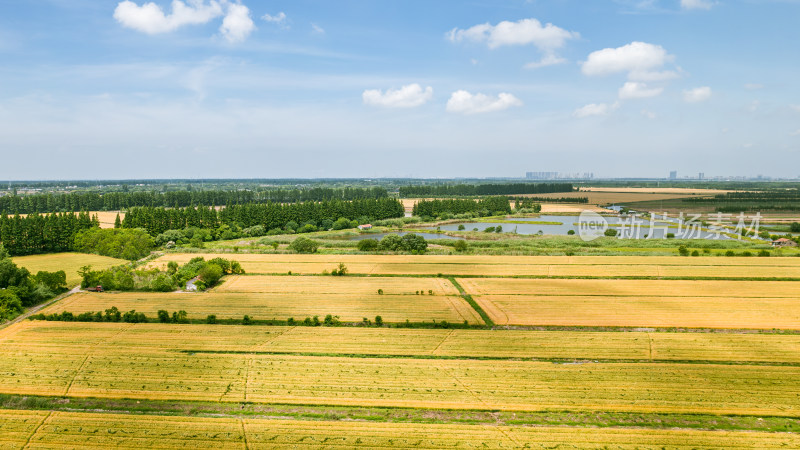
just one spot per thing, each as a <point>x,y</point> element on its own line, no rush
<point>784,242</point>
<point>366,226</point>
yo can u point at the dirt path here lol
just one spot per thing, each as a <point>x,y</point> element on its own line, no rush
<point>34,309</point>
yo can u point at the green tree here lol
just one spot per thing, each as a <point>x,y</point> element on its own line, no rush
<point>303,245</point>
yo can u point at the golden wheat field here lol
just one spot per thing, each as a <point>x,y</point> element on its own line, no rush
<point>561,266</point>
<point>68,262</point>
<point>648,303</point>
<point>63,337</point>
<point>40,429</point>
<point>271,306</point>
<point>336,285</point>
<point>117,361</point>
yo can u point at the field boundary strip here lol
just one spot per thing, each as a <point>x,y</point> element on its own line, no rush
<point>468,298</point>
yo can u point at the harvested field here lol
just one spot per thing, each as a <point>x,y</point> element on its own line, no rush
<point>649,303</point>
<point>117,362</point>
<point>335,285</point>
<point>68,262</point>
<point>562,266</point>
<point>69,429</point>
<point>297,302</point>
<point>60,337</point>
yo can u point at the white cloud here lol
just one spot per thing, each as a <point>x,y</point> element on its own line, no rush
<point>278,19</point>
<point>633,89</point>
<point>317,29</point>
<point>697,95</point>
<point>696,4</point>
<point>547,60</point>
<point>237,24</point>
<point>151,19</point>
<point>526,31</point>
<point>594,109</point>
<point>642,62</point>
<point>467,103</point>
<point>409,96</point>
<point>795,133</point>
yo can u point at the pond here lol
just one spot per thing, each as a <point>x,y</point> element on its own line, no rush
<point>427,236</point>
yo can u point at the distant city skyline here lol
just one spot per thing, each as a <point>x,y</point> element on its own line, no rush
<point>244,89</point>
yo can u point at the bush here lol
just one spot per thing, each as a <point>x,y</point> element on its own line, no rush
<point>254,231</point>
<point>342,224</point>
<point>730,253</point>
<point>130,244</point>
<point>180,317</point>
<point>246,320</point>
<point>764,253</point>
<point>304,245</point>
<point>379,321</point>
<point>10,305</point>
<point>611,232</point>
<point>571,232</point>
<point>695,253</point>
<point>461,227</point>
<point>460,246</point>
<point>489,230</point>
<point>368,245</point>
<point>163,316</point>
<point>795,227</point>
<point>210,274</point>
<point>683,251</point>
<point>211,319</point>
<point>340,271</point>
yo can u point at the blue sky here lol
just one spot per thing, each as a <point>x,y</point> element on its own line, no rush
<point>222,88</point>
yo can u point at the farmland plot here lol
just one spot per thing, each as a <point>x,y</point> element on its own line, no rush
<point>653,303</point>
<point>265,306</point>
<point>68,429</point>
<point>68,262</point>
<point>540,266</point>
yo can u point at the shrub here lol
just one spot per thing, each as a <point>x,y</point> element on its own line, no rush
<point>380,291</point>
<point>340,271</point>
<point>130,244</point>
<point>210,274</point>
<point>695,253</point>
<point>571,232</point>
<point>489,230</point>
<point>498,229</point>
<point>342,224</point>
<point>10,304</point>
<point>730,253</point>
<point>379,321</point>
<point>683,251</point>
<point>180,317</point>
<point>163,316</point>
<point>254,231</point>
<point>211,319</point>
<point>611,232</point>
<point>246,320</point>
<point>303,245</point>
<point>460,246</point>
<point>331,321</point>
<point>461,227</point>
<point>764,253</point>
<point>368,245</point>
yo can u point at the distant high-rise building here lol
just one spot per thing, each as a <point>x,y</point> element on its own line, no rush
<point>701,176</point>
<point>673,175</point>
<point>541,175</point>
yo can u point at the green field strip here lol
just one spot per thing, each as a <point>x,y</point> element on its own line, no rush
<point>468,298</point>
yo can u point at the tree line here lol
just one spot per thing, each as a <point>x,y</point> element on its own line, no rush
<point>483,207</point>
<point>463,190</point>
<point>36,233</point>
<point>157,220</point>
<point>113,201</point>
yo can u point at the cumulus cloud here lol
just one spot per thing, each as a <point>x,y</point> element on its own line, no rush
<point>151,19</point>
<point>409,96</point>
<point>464,102</point>
<point>633,90</point>
<point>279,19</point>
<point>642,62</point>
<point>524,32</point>
<point>696,4</point>
<point>594,109</point>
<point>237,24</point>
<point>547,60</point>
<point>697,95</point>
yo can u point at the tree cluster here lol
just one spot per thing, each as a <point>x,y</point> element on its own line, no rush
<point>115,201</point>
<point>18,288</point>
<point>131,244</point>
<point>484,207</point>
<point>269,215</point>
<point>36,233</point>
<point>126,278</point>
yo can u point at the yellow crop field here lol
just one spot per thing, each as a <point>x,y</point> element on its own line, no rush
<point>632,288</point>
<point>336,285</point>
<point>117,361</point>
<point>265,306</point>
<point>70,429</point>
<point>68,262</point>
<point>63,337</point>
<point>561,266</point>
